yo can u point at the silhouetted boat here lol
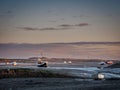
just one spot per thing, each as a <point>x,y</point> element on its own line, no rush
<point>43,64</point>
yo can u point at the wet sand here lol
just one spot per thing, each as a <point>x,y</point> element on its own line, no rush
<point>58,84</point>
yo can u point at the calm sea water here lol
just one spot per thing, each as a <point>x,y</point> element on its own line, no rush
<point>81,51</point>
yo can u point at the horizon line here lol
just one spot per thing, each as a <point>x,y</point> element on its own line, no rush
<point>82,42</point>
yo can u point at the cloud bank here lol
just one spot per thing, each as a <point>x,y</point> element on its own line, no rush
<point>59,27</point>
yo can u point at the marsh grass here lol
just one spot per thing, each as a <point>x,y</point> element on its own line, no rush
<point>25,73</point>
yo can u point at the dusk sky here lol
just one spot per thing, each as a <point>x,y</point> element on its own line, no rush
<point>52,21</point>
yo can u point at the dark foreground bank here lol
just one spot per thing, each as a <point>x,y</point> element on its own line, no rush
<point>28,72</point>
<point>58,84</point>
